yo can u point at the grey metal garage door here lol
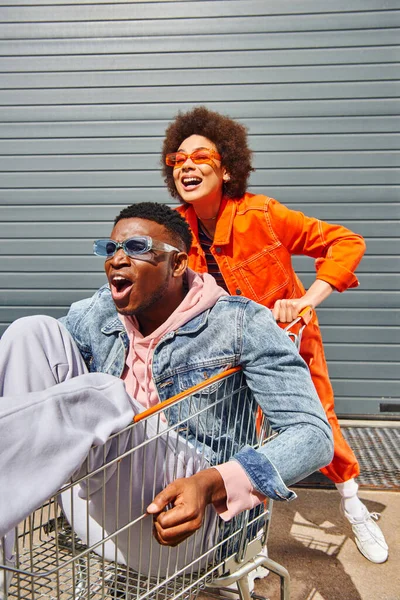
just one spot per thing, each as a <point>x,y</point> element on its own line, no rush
<point>88,87</point>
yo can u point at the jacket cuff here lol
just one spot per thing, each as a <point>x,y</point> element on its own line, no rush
<point>338,276</point>
<point>240,494</point>
<point>263,475</point>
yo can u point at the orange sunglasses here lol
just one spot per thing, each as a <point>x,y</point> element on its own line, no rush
<point>199,157</point>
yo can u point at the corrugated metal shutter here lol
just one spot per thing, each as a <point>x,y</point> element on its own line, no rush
<point>87,89</point>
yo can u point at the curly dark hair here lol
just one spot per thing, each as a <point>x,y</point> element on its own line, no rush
<point>229,136</point>
<point>163,215</point>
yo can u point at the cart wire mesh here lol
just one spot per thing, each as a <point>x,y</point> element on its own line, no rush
<point>93,539</point>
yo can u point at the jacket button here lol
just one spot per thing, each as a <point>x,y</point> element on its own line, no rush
<point>238,292</point>
<point>218,250</point>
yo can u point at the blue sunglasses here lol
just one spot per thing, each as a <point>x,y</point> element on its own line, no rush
<point>134,246</point>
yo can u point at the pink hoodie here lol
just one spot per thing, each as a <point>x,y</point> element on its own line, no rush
<point>202,295</point>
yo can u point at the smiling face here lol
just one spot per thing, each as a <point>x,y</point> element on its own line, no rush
<point>150,289</point>
<point>200,184</point>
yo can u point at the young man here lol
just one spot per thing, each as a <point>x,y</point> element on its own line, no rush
<point>154,330</point>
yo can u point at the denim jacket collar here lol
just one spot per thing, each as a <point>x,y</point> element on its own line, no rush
<point>112,325</point>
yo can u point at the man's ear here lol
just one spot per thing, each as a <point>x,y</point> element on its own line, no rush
<point>180,265</point>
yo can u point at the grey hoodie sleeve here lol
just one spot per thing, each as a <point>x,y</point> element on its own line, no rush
<point>51,413</point>
<point>45,437</point>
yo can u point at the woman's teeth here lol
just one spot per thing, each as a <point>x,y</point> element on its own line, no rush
<point>191,181</point>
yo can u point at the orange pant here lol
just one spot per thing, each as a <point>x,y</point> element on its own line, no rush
<point>344,465</point>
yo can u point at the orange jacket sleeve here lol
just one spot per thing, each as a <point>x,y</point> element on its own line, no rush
<point>337,250</point>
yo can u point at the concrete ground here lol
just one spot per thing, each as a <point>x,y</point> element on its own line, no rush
<point>314,542</point>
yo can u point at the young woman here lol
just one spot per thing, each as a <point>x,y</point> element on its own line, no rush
<point>246,241</point>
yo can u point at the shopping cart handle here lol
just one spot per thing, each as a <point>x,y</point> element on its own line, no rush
<point>158,408</point>
<point>305,314</point>
<point>304,317</point>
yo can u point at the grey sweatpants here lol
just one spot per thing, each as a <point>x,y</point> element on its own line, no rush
<point>52,413</point>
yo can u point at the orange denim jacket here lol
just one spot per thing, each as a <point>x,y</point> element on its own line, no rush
<point>255,239</point>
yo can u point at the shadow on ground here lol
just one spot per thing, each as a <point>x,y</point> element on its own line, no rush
<point>314,542</point>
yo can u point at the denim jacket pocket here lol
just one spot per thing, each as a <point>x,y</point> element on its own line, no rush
<point>263,277</point>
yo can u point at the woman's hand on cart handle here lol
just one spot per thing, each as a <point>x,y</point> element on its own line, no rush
<point>287,310</point>
<point>178,511</point>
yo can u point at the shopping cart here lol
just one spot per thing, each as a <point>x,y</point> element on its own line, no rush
<point>93,539</point>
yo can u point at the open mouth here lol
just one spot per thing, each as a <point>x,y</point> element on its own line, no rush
<point>190,183</point>
<point>120,287</point>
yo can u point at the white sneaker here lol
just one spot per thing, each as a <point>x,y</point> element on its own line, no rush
<point>368,537</point>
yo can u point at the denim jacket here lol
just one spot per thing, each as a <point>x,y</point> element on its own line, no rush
<point>235,331</point>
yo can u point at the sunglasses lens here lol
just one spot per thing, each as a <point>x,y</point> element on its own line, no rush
<point>176,159</point>
<point>104,247</point>
<point>170,159</point>
<point>201,156</point>
<point>180,158</point>
<point>137,246</point>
